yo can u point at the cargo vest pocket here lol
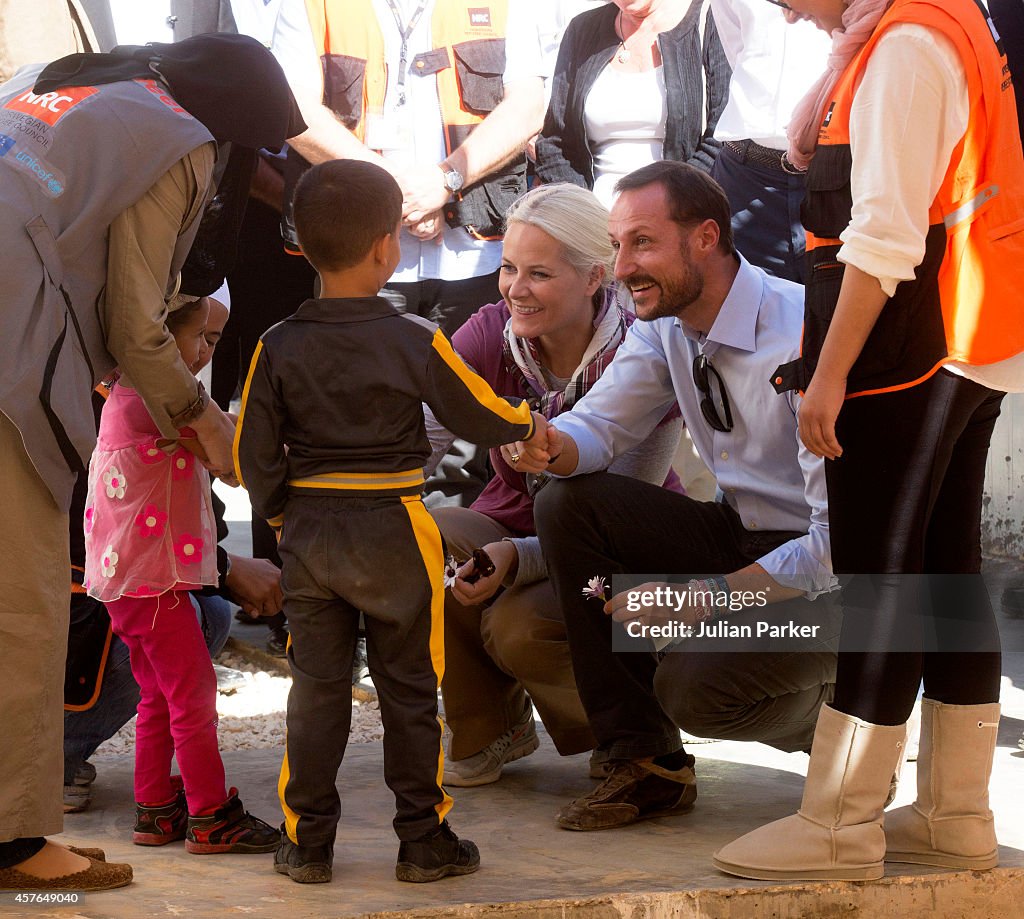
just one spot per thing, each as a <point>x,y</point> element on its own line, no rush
<point>344,77</point>
<point>479,66</point>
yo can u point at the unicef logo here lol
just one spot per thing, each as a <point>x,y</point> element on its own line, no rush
<point>55,187</point>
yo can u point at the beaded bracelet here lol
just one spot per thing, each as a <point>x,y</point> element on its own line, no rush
<point>706,586</point>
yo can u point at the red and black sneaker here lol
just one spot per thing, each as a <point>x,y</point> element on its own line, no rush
<point>162,823</point>
<point>230,828</point>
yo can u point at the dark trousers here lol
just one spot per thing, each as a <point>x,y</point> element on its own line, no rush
<point>765,205</point>
<point>604,524</point>
<point>382,556</point>
<point>905,501</point>
<point>465,470</point>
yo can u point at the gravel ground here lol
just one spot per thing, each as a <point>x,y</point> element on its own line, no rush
<point>253,717</point>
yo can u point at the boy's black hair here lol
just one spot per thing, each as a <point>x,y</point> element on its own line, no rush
<point>692,194</point>
<point>341,208</point>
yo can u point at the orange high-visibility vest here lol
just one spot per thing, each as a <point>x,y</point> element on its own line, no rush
<point>468,59</point>
<point>965,302</point>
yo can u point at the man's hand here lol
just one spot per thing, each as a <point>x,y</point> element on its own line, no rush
<point>215,433</point>
<point>423,192</point>
<point>430,227</point>
<point>671,596</point>
<point>535,454</point>
<point>255,583</point>
<point>506,560</point>
<point>817,416</point>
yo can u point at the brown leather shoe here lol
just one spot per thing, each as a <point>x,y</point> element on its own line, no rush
<point>98,876</point>
<point>88,852</point>
<point>634,790</point>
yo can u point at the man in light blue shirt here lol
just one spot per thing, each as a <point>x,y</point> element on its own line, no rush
<point>756,659</point>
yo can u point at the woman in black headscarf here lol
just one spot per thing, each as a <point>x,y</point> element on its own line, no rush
<point>108,170</point>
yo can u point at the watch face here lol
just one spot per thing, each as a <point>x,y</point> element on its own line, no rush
<point>454,180</point>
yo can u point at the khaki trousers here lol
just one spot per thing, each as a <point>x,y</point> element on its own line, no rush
<point>34,614</point>
<point>495,654</point>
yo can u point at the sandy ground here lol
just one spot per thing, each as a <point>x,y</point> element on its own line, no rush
<point>252,718</point>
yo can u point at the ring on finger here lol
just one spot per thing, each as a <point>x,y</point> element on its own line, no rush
<point>514,458</point>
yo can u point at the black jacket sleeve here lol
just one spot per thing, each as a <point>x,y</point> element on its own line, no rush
<point>261,463</point>
<point>466,405</point>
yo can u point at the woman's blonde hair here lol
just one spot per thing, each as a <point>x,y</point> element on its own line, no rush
<point>575,219</point>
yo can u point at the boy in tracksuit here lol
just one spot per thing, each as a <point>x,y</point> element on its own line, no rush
<point>330,445</point>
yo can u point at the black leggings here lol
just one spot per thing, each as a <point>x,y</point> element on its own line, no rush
<point>905,520</point>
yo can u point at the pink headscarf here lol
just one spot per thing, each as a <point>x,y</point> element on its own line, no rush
<point>859,20</point>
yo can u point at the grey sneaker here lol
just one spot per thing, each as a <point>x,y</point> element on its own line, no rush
<point>485,767</point>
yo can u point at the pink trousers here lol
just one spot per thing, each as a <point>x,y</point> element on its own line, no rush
<point>178,705</point>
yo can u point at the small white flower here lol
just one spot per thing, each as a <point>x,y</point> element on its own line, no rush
<point>115,482</point>
<point>595,588</point>
<point>451,569</point>
<point>108,562</point>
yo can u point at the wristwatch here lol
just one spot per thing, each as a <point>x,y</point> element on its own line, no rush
<point>453,179</point>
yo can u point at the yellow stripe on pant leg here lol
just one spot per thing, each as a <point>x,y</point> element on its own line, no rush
<point>428,540</point>
<point>291,819</point>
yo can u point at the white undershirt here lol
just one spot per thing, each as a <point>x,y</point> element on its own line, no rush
<point>137,23</point>
<point>257,18</point>
<point>624,114</point>
<point>894,180</point>
<point>773,65</point>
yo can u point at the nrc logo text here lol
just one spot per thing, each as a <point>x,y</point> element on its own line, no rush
<point>49,107</point>
<point>480,17</point>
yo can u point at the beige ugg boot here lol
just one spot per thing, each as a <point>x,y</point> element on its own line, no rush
<point>837,833</point>
<point>950,824</point>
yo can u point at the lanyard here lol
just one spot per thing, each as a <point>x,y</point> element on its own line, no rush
<point>405,31</point>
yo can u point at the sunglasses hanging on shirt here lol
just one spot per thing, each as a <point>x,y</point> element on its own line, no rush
<point>703,375</point>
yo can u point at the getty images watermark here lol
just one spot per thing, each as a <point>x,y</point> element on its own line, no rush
<point>708,605</point>
<point>658,611</point>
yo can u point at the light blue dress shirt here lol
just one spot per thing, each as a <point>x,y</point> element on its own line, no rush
<point>763,470</point>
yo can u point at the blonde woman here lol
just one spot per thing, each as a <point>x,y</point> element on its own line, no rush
<point>548,340</point>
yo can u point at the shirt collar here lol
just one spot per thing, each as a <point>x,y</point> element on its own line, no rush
<point>736,323</point>
<point>345,309</point>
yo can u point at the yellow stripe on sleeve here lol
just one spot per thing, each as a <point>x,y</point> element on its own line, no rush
<point>241,412</point>
<point>478,386</point>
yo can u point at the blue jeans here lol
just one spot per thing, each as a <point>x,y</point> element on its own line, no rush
<point>765,205</point>
<point>119,695</point>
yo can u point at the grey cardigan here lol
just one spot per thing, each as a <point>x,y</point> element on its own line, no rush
<point>563,150</point>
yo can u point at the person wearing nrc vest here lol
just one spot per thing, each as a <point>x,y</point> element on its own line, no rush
<point>105,167</point>
<point>417,87</point>
<point>913,332</point>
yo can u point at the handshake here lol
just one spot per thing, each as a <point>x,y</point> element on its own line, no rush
<point>537,453</point>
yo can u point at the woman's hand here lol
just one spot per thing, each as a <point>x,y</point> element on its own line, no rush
<point>504,555</point>
<point>818,413</point>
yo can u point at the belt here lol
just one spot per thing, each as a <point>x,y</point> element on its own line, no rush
<point>410,480</point>
<point>749,152</point>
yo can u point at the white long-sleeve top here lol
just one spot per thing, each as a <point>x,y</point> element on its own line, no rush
<point>909,113</point>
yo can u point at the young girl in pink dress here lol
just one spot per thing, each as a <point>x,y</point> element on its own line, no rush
<point>151,538</point>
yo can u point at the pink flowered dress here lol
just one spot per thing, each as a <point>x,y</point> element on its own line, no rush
<point>149,524</point>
